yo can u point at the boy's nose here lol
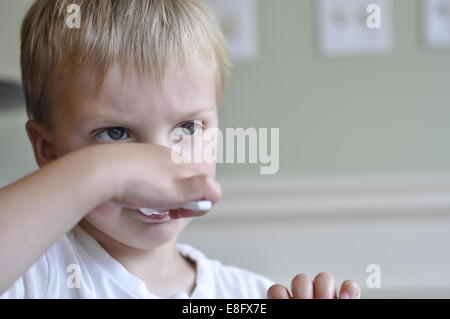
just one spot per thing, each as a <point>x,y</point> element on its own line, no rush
<point>160,140</point>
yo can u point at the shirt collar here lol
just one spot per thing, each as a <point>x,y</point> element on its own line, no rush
<point>204,282</point>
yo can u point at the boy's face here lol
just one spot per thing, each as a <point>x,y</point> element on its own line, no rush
<point>135,110</point>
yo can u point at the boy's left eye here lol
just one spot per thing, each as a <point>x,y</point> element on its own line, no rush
<point>190,128</point>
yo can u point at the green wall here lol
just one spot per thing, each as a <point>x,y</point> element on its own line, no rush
<point>372,114</point>
<point>342,115</point>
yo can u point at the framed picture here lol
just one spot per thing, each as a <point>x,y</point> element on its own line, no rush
<point>239,24</point>
<point>436,23</point>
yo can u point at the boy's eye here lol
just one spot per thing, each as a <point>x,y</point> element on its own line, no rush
<point>112,134</point>
<point>190,128</point>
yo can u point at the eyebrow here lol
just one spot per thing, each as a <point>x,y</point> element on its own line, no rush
<point>197,112</point>
<point>114,119</point>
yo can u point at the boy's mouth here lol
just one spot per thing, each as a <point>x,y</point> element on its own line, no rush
<point>153,212</point>
<point>149,215</point>
<point>194,209</point>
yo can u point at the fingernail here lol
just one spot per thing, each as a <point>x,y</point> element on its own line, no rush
<point>345,295</point>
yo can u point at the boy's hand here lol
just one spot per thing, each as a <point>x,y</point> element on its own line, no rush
<point>323,287</point>
<point>144,176</point>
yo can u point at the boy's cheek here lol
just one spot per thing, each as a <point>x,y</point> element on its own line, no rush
<point>103,209</point>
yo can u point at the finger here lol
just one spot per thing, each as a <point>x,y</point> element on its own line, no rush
<point>324,286</point>
<point>350,290</point>
<point>302,287</point>
<point>200,187</point>
<point>185,213</point>
<point>278,292</point>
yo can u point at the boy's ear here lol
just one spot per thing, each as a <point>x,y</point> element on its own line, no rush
<point>40,140</point>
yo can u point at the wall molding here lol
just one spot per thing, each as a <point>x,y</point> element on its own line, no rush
<point>279,226</point>
<point>323,197</point>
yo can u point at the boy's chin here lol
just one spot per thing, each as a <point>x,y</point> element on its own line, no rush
<point>153,235</point>
<point>140,234</point>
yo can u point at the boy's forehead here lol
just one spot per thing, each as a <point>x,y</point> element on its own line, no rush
<point>130,94</point>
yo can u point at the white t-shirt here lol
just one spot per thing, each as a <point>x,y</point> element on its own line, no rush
<point>78,253</point>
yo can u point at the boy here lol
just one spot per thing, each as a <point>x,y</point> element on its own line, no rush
<point>107,102</point>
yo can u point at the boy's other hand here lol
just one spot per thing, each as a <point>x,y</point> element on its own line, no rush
<point>144,176</point>
<point>322,287</point>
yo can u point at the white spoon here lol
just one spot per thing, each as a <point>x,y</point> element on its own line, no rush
<point>201,205</point>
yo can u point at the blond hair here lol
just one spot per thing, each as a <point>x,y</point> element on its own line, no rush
<point>146,34</point>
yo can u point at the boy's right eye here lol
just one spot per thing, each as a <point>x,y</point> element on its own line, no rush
<point>112,134</point>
